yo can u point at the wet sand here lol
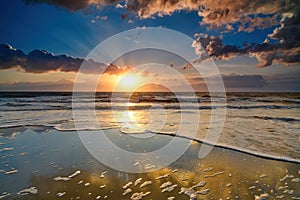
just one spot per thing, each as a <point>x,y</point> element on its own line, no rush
<point>51,164</point>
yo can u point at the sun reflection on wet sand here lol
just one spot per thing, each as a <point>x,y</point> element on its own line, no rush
<point>207,178</point>
<point>222,174</point>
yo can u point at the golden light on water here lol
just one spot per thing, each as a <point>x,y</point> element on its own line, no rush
<point>133,121</point>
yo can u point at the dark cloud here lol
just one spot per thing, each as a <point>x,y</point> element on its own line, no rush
<point>61,85</point>
<point>10,57</point>
<point>68,4</point>
<point>232,81</point>
<point>41,61</point>
<point>243,81</point>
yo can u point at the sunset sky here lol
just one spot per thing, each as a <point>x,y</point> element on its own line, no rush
<point>254,43</point>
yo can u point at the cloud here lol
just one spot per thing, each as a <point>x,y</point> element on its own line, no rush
<point>41,61</point>
<point>61,85</point>
<point>246,13</point>
<point>243,15</point>
<point>212,47</point>
<point>243,81</point>
<point>280,56</point>
<point>68,4</point>
<point>114,69</point>
<point>231,81</point>
<point>229,15</point>
<point>285,48</point>
<point>213,13</point>
<point>10,57</point>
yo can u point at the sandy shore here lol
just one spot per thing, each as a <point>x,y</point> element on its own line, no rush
<point>55,164</point>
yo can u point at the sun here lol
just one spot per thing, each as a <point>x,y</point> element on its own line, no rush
<point>129,81</point>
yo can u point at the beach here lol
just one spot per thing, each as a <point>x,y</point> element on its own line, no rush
<point>57,165</point>
<point>150,100</point>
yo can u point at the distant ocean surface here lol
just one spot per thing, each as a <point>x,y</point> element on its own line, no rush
<point>258,123</point>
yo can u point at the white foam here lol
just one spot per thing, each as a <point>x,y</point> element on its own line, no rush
<point>11,171</point>
<point>4,194</point>
<point>137,181</point>
<point>145,184</point>
<point>263,176</point>
<point>286,191</point>
<point>286,177</point>
<point>262,197</point>
<point>165,184</point>
<point>59,178</point>
<point>103,174</point>
<point>137,163</point>
<point>215,174</point>
<point>6,149</point>
<point>149,166</point>
<point>61,194</point>
<point>139,195</point>
<point>208,169</point>
<point>170,188</point>
<point>188,192</point>
<point>31,190</point>
<point>252,187</point>
<point>127,185</point>
<point>200,184</point>
<point>74,174</point>
<point>127,191</point>
<point>296,180</point>
<point>163,176</point>
<point>228,185</point>
<point>203,192</point>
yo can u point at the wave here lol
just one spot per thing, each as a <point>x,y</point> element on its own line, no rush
<point>149,97</point>
<point>173,134</point>
<point>285,119</point>
<point>32,107</point>
<point>238,149</point>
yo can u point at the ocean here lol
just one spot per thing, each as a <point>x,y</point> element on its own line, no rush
<point>40,149</point>
<point>262,123</point>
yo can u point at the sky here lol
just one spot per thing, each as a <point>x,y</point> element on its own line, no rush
<point>254,44</point>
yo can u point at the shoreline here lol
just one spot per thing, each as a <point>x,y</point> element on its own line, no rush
<point>222,146</point>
